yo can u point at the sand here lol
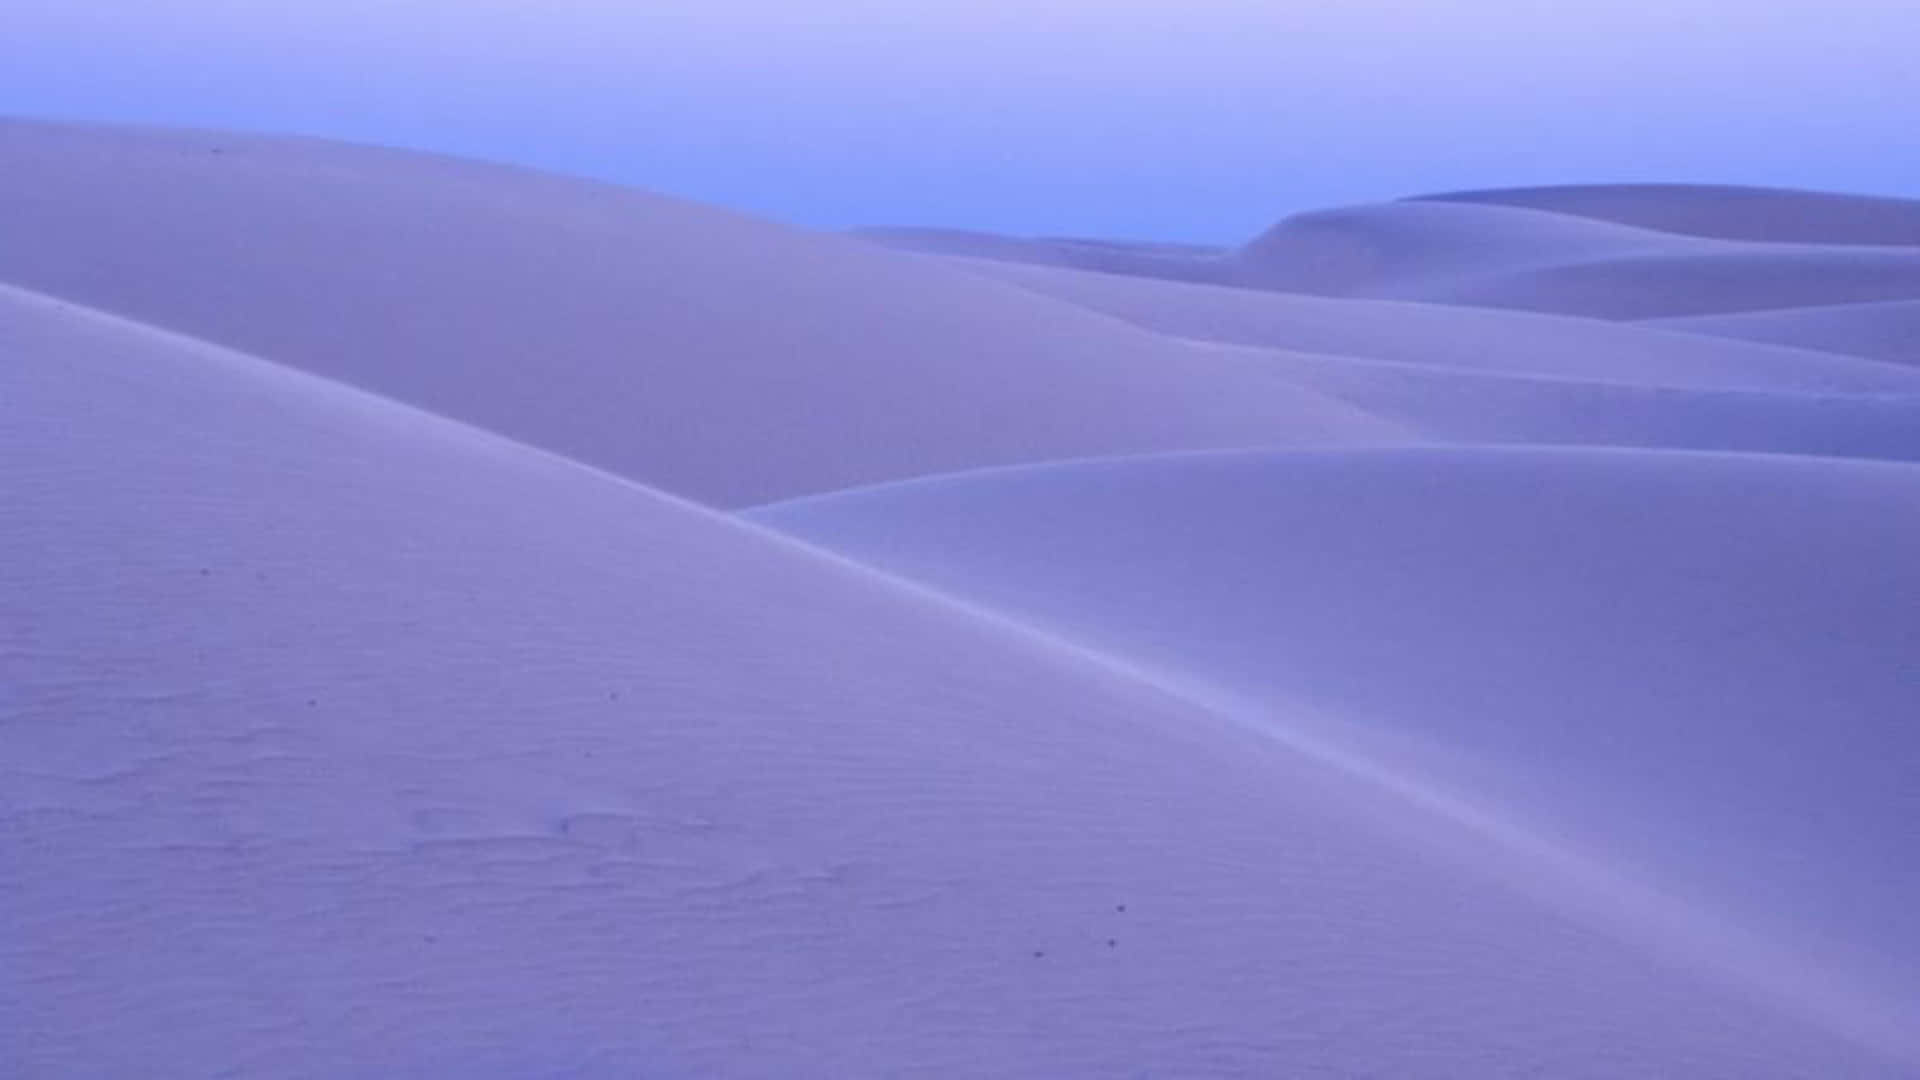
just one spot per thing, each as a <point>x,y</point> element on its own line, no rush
<point>461,621</point>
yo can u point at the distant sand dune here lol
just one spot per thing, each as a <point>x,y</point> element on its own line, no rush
<point>1477,375</point>
<point>1661,286</point>
<point>1524,253</point>
<point>1469,408</point>
<point>1395,248</point>
<point>715,356</point>
<point>1723,210</point>
<point>1174,262</point>
<point>1474,339</point>
<point>1887,331</point>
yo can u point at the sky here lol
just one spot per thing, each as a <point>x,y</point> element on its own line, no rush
<point>1195,120</point>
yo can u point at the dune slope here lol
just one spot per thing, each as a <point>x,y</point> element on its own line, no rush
<point>340,739</point>
<point>1479,376</point>
<point>1697,665</point>
<point>709,354</point>
<point>1671,286</point>
<point>1477,408</point>
<point>384,691</point>
<point>1465,338</point>
<point>1887,332</point>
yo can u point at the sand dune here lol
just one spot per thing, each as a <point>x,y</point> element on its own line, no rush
<point>1481,251</point>
<point>359,741</point>
<point>1536,260</point>
<point>1471,408</point>
<point>1473,339</point>
<point>1508,627</point>
<point>1389,249</point>
<point>1173,262</point>
<point>1663,286</point>
<point>1728,211</point>
<point>385,691</point>
<point>1476,375</point>
<point>1888,331</point>
<point>712,355</point>
<point>1361,250</point>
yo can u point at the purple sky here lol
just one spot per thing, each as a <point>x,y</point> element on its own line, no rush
<point>1177,119</point>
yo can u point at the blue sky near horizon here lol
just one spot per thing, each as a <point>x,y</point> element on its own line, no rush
<point>1174,119</point>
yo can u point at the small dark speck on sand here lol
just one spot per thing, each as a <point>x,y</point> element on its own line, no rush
<point>1037,954</point>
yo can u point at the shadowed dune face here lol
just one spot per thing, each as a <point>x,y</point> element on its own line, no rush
<point>1135,659</point>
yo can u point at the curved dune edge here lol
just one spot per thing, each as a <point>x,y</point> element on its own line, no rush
<point>726,359</point>
<point>1498,632</point>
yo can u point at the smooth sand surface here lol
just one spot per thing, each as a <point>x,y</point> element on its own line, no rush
<point>458,621</point>
<point>715,356</point>
<point>1888,332</point>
